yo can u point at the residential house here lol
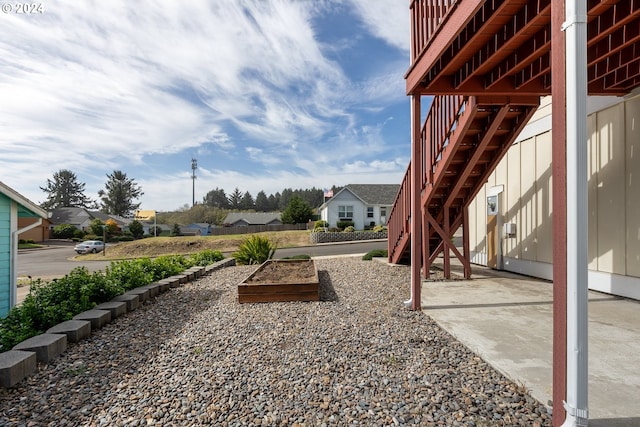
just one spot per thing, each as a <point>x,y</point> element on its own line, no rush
<point>81,218</point>
<point>244,219</point>
<point>13,206</point>
<point>363,204</point>
<point>197,229</point>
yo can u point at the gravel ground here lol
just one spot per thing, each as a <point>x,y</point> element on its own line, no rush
<point>194,356</point>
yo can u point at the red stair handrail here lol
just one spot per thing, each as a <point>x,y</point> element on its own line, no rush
<point>440,123</point>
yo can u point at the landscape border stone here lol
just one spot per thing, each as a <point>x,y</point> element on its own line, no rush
<point>46,346</point>
<point>75,330</point>
<point>132,300</point>
<point>98,318</point>
<point>16,365</point>
<point>143,294</point>
<point>117,308</point>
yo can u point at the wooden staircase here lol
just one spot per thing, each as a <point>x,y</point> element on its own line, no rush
<point>462,141</point>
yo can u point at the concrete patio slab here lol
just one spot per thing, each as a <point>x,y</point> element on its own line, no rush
<point>507,320</point>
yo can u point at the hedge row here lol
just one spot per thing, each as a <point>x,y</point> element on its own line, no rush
<point>50,303</point>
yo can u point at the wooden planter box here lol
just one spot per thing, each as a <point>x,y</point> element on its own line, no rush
<point>281,280</point>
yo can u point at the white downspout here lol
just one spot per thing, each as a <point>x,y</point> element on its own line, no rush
<point>13,289</point>
<point>575,28</point>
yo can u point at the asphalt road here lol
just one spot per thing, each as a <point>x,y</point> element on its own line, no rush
<point>56,261</point>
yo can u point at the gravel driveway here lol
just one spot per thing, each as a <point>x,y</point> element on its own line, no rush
<point>194,356</point>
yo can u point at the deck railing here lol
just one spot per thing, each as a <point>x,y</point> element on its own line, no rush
<point>426,16</point>
<point>399,219</point>
<point>440,123</point>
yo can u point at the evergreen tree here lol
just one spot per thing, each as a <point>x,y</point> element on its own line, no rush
<point>297,211</point>
<point>262,203</point>
<point>66,191</point>
<point>285,197</point>
<point>118,199</point>
<point>234,199</point>
<point>247,202</point>
<point>276,202</point>
<point>273,203</point>
<point>217,199</point>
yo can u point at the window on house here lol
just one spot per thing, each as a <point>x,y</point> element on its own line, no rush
<point>370,212</point>
<point>383,211</point>
<point>345,212</point>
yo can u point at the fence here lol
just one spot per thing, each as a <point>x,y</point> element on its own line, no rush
<point>223,231</point>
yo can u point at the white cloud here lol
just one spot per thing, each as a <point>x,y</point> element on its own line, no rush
<point>386,20</point>
<point>99,86</point>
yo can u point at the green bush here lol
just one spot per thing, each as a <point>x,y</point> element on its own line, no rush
<point>167,265</point>
<point>344,224</point>
<point>320,224</point>
<point>206,257</point>
<point>350,229</point>
<point>137,229</point>
<point>383,253</point>
<point>78,234</point>
<point>254,250</point>
<point>48,304</point>
<point>63,231</point>
<point>129,273</point>
<point>379,228</point>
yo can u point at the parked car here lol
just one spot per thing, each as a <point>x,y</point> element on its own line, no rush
<point>93,246</point>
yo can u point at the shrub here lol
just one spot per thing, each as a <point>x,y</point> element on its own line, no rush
<point>254,250</point>
<point>136,228</point>
<point>349,229</point>
<point>51,303</point>
<point>78,234</point>
<point>175,231</point>
<point>375,254</point>
<point>379,228</point>
<point>63,231</point>
<point>320,224</point>
<point>206,257</point>
<point>344,224</point>
<point>334,229</point>
<point>129,274</point>
<point>124,238</point>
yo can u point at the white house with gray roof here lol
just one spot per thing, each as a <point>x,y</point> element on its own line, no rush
<point>361,203</point>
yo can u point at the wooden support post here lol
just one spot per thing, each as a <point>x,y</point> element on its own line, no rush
<point>446,253</point>
<point>426,262</point>
<point>559,170</point>
<point>465,242</point>
<point>416,205</point>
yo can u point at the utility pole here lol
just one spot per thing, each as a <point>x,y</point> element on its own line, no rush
<point>194,166</point>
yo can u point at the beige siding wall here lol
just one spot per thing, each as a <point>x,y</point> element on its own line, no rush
<point>632,185</point>
<point>614,194</point>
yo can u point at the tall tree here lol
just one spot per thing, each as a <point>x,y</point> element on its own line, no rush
<point>247,202</point>
<point>120,194</point>
<point>262,203</point>
<point>217,199</point>
<point>297,211</point>
<point>234,199</point>
<point>285,197</point>
<point>64,191</point>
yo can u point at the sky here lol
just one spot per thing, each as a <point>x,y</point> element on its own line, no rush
<point>265,94</point>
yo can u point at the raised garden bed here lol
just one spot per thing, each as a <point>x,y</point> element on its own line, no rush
<point>281,280</point>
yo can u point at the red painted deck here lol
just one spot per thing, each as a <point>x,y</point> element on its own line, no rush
<point>487,62</point>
